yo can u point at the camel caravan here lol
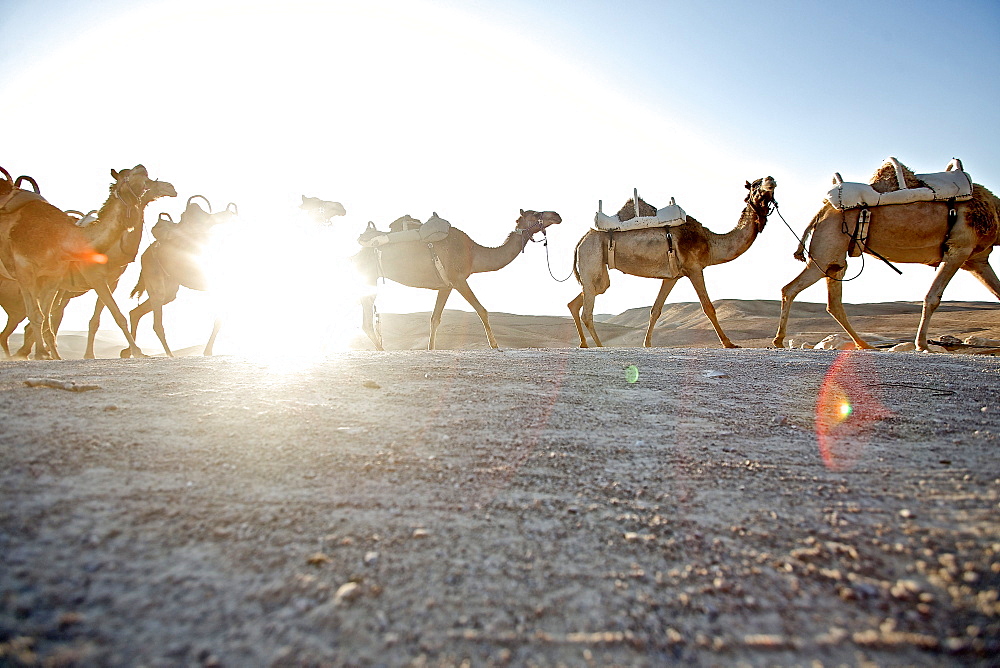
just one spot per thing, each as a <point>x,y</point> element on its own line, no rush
<point>49,256</point>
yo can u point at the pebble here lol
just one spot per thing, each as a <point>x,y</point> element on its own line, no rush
<point>347,592</point>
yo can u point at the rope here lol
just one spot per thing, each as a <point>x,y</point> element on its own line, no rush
<point>938,392</point>
<point>548,261</point>
<point>809,259</point>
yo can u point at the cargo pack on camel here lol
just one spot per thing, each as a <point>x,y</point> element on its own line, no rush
<point>943,220</point>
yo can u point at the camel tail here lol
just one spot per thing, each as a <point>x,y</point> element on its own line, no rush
<point>800,252</point>
<point>140,287</point>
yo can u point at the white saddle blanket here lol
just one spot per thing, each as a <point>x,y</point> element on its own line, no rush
<point>433,230</point>
<point>941,186</point>
<point>668,216</point>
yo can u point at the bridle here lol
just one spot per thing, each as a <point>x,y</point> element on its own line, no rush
<point>761,211</point>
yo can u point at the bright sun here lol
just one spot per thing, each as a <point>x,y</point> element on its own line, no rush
<point>285,289</point>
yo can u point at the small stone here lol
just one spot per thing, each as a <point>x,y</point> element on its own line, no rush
<point>347,592</point>
<point>906,514</point>
<point>371,558</point>
<point>318,559</point>
<point>420,533</point>
<point>371,384</point>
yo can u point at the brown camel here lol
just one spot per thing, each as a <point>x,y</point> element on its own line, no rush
<point>119,256</point>
<point>49,254</point>
<point>412,263</point>
<point>644,253</point>
<point>173,260</point>
<point>913,233</point>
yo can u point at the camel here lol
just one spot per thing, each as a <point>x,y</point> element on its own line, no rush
<point>173,260</point>
<point>644,252</point>
<point>917,232</point>
<point>49,254</point>
<point>443,266</point>
<point>119,256</point>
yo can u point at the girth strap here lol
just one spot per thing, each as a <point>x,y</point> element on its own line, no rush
<point>438,264</point>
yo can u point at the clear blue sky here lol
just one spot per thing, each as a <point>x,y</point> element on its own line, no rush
<point>476,109</point>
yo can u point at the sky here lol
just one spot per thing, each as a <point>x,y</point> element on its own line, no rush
<point>477,109</point>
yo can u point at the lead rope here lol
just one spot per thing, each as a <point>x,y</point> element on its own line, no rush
<point>805,252</point>
<point>548,261</point>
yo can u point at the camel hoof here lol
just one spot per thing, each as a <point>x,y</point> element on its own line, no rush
<point>89,356</point>
<point>731,345</point>
<point>778,343</point>
<point>125,354</point>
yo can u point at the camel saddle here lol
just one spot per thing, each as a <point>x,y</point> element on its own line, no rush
<point>668,216</point>
<point>435,229</point>
<point>17,198</point>
<point>952,184</point>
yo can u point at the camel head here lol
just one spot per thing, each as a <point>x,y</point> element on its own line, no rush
<point>134,187</point>
<point>321,210</point>
<point>760,199</point>
<point>531,222</point>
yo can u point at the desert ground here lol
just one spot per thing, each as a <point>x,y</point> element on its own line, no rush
<point>533,505</point>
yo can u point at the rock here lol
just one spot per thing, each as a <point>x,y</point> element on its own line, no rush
<point>347,592</point>
<point>836,342</point>
<point>371,385</point>
<point>712,373</point>
<point>981,342</point>
<point>371,558</point>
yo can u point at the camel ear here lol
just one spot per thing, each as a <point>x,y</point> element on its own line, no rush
<point>114,174</point>
<point>522,212</point>
<point>303,199</point>
<point>748,185</point>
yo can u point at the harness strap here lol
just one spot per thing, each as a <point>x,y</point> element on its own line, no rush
<point>672,264</point>
<point>611,250</point>
<point>438,264</point>
<point>952,219</point>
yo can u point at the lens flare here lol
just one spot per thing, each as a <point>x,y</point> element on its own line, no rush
<point>847,409</point>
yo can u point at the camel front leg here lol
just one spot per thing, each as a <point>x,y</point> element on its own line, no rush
<point>809,275</point>
<point>12,323</point>
<point>442,298</point>
<point>92,327</point>
<point>654,313</point>
<point>36,319</point>
<point>368,321</point>
<point>104,294</point>
<point>698,281</point>
<point>464,290</point>
<point>953,261</point>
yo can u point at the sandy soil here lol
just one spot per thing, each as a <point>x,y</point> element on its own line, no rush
<point>521,507</point>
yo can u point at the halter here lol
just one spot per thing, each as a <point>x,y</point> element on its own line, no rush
<point>755,188</point>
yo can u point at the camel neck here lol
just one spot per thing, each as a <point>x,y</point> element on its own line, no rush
<point>115,218</point>
<point>491,259</point>
<point>734,243</point>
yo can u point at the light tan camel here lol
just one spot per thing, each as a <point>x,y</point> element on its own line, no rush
<point>645,253</point>
<point>412,263</point>
<point>50,254</point>
<point>916,232</point>
<point>175,259</point>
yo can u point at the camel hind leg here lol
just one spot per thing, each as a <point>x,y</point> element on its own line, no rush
<point>92,327</point>
<point>574,307</point>
<point>654,313</point>
<point>809,275</point>
<point>368,323</point>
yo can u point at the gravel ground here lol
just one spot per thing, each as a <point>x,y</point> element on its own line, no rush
<point>519,507</point>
